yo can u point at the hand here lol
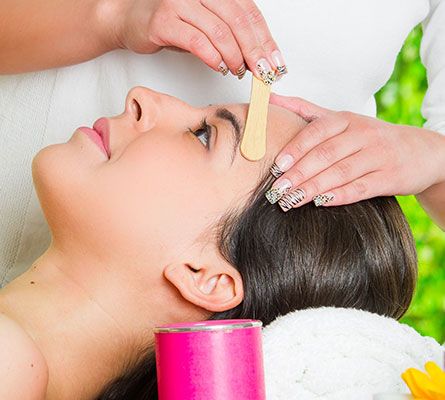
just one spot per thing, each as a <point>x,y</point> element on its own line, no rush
<point>223,34</point>
<point>341,158</point>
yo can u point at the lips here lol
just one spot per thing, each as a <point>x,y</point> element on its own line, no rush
<point>102,128</point>
<point>100,135</point>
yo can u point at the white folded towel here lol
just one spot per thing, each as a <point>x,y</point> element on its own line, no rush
<point>337,353</point>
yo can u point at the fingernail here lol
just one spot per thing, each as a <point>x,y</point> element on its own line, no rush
<point>281,165</point>
<point>278,190</point>
<point>279,62</point>
<point>223,68</point>
<point>292,199</point>
<point>322,199</point>
<point>241,71</point>
<point>265,70</point>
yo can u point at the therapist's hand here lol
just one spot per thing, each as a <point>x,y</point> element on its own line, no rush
<point>226,35</point>
<point>342,157</point>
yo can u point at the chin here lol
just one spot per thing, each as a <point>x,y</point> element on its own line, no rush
<point>45,166</point>
<point>54,176</point>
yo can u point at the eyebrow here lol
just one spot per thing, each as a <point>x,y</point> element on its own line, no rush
<point>225,114</point>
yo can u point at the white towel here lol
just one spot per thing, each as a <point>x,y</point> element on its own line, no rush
<point>341,354</point>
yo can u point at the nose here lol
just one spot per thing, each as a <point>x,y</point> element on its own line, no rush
<point>142,108</point>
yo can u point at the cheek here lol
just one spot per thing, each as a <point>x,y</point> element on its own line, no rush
<point>145,206</point>
<point>148,204</point>
<point>157,193</point>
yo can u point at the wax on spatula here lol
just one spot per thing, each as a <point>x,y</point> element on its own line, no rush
<point>253,144</point>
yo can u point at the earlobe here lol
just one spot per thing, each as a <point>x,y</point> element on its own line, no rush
<point>210,288</point>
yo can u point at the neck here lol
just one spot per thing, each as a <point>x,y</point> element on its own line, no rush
<point>87,329</point>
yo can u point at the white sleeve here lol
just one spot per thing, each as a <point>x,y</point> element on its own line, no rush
<point>432,52</point>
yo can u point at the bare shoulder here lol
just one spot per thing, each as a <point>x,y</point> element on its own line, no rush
<point>23,368</point>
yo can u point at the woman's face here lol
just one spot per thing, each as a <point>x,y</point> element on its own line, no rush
<point>163,185</point>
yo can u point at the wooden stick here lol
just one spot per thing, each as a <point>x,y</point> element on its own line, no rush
<point>253,144</point>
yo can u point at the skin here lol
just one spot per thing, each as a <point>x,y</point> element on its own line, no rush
<point>131,247</point>
<point>354,157</point>
<point>73,32</point>
<point>232,31</point>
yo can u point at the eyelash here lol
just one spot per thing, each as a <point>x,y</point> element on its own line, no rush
<point>207,129</point>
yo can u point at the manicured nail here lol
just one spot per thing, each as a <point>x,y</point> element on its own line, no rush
<point>279,62</point>
<point>322,199</point>
<point>241,71</point>
<point>265,70</point>
<point>292,199</point>
<point>281,165</point>
<point>223,68</point>
<point>278,190</point>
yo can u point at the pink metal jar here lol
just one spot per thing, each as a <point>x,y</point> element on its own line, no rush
<point>210,360</point>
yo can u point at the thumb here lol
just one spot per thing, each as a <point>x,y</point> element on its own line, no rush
<point>305,109</point>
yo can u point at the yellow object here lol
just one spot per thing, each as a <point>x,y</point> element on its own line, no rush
<point>253,144</point>
<point>423,386</point>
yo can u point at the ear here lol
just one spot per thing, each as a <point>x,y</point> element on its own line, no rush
<point>209,281</point>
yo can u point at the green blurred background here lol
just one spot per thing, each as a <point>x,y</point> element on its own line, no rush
<point>399,101</point>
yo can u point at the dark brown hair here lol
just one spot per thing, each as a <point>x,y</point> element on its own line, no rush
<point>360,256</point>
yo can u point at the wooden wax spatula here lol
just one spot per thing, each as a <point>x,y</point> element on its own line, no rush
<point>253,144</point>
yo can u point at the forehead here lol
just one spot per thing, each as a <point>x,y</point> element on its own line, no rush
<point>282,126</point>
<point>241,177</point>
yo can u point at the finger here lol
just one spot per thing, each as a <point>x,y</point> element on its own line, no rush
<point>327,155</point>
<point>365,187</point>
<point>312,135</point>
<point>344,172</point>
<point>191,40</point>
<point>219,34</point>
<point>305,109</point>
<point>244,23</point>
<point>264,36</point>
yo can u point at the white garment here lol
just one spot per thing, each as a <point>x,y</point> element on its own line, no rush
<point>339,54</point>
<point>341,354</point>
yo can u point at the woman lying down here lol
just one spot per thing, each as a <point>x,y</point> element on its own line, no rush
<point>174,226</point>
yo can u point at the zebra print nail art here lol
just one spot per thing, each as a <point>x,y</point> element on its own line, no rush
<point>282,70</point>
<point>223,68</point>
<point>241,71</point>
<point>292,199</point>
<point>276,171</point>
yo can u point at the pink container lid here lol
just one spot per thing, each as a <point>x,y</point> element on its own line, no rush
<point>213,325</point>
